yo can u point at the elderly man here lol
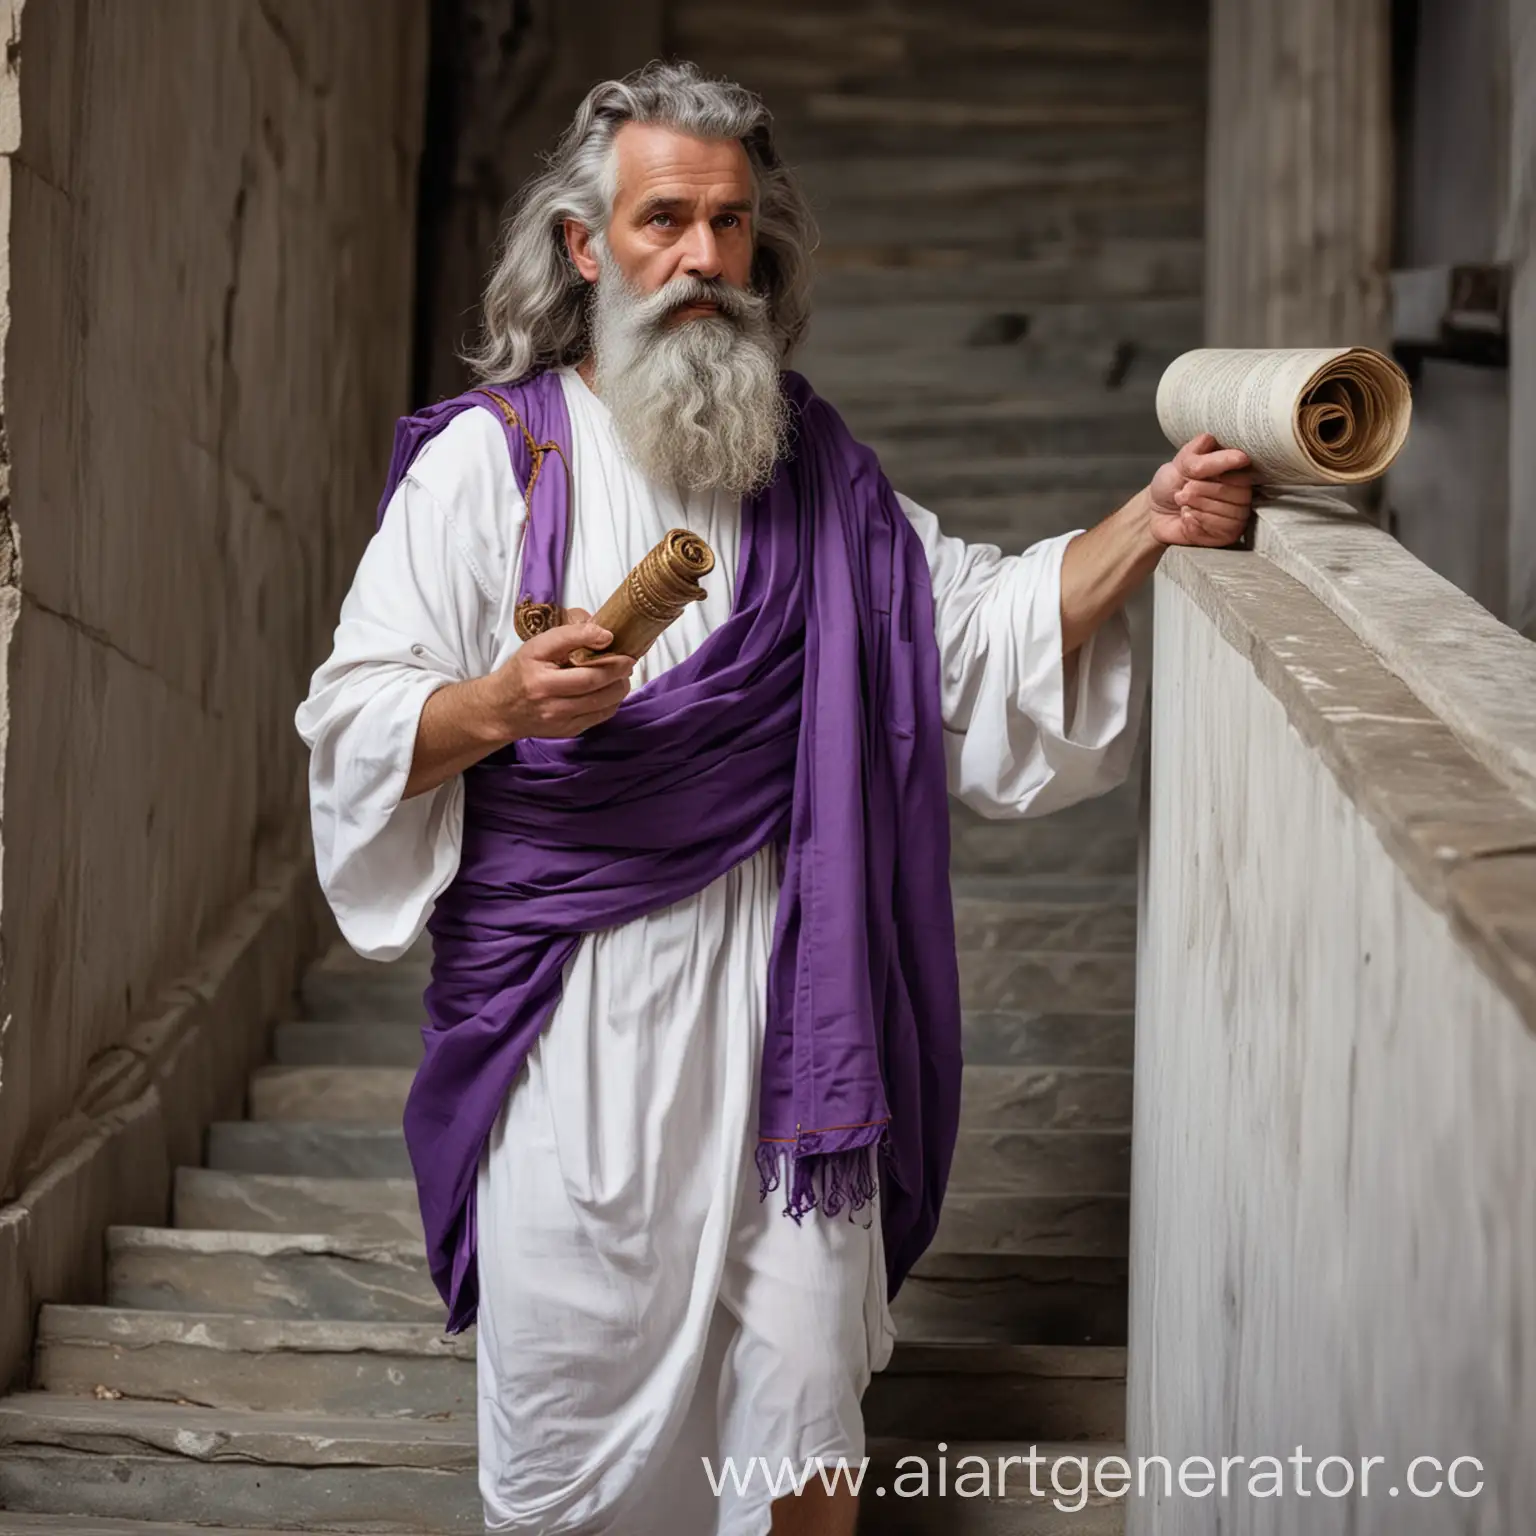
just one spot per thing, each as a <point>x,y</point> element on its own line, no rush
<point>690,912</point>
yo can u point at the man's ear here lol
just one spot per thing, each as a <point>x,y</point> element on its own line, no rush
<point>578,241</point>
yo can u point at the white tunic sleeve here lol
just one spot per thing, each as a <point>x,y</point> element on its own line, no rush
<point>1024,733</point>
<point>415,620</point>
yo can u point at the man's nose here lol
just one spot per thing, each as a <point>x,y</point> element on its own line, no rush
<point>702,258</point>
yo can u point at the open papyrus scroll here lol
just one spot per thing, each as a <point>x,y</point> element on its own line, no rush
<point>648,599</point>
<point>1310,416</point>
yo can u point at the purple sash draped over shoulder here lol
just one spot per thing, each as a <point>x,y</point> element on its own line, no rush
<point>809,719</point>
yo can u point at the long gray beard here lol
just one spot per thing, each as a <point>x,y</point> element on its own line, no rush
<point>697,403</point>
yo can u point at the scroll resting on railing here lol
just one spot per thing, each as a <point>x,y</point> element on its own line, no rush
<point>648,599</point>
<point>1309,416</point>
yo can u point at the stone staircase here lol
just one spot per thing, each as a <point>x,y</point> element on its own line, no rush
<point>275,1360</point>
<point>1010,199</point>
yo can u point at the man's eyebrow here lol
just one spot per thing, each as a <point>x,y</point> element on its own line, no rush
<point>658,204</point>
<point>661,203</point>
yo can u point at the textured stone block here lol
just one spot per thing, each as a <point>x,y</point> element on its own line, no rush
<point>1008,1298</point>
<point>61,1455</point>
<point>343,1095</point>
<point>379,997</point>
<point>383,1209</point>
<point>1053,1099</point>
<point>348,1369</point>
<point>297,1044</point>
<point>1051,1226</point>
<point>1019,913</point>
<point>313,1149</point>
<point>267,1274</point>
<point>1041,1162</point>
<point>1019,1038</point>
<point>1051,981</point>
<point>1010,1392</point>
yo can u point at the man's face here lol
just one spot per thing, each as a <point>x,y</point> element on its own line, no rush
<point>683,208</point>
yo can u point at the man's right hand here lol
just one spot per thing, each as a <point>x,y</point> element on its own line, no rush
<point>530,694</point>
<point>533,694</point>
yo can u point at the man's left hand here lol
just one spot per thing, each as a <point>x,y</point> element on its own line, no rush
<point>1203,497</point>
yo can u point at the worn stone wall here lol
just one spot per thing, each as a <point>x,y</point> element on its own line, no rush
<point>211,244</point>
<point>1299,181</point>
<point>1333,1243</point>
<point>1519,247</point>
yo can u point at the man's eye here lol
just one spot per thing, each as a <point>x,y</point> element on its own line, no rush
<point>728,221</point>
<point>662,220</point>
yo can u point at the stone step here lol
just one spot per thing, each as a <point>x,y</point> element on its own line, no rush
<point>1046,1099</point>
<point>900,1494</point>
<point>385,1210</point>
<point>957,1297</point>
<point>1097,837</point>
<point>994,1037</point>
<point>1026,914</point>
<point>1081,1047</point>
<point>362,1044</point>
<point>383,995</point>
<point>980,1521</point>
<point>1015,224</point>
<point>1089,432</point>
<point>929,478</point>
<point>137,1460</point>
<point>1003,1299</point>
<point>896,415</point>
<point>999,1101</point>
<point>1050,1226</point>
<point>961,373</point>
<point>907,110</point>
<point>979,1298</point>
<point>969,325</point>
<point>950,182</point>
<point>271,1274</point>
<point>342,957</point>
<point>1013,522</point>
<point>954,67</point>
<point>892,36</point>
<point>75,1525</point>
<point>1111,268</point>
<point>308,1148</point>
<point>346,1095</point>
<point>1112,15</point>
<point>1010,1391</point>
<point>129,1460</point>
<point>1032,1036</point>
<point>1048,980</point>
<point>1038,1163</point>
<point>876,127</point>
<point>382,1210</point>
<point>371,1370</point>
<point>353,1369</point>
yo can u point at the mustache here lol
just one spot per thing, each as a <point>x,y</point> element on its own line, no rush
<point>738,305</point>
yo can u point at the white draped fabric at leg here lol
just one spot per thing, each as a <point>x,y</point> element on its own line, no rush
<point>640,1306</point>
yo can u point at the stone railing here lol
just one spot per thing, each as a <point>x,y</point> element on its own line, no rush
<point>1334,1183</point>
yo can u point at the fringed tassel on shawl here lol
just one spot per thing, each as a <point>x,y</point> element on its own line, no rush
<point>830,1180</point>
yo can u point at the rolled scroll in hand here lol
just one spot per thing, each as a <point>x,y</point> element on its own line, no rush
<point>1309,416</point>
<point>648,599</point>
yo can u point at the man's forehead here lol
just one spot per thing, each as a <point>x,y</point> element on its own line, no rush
<point>655,161</point>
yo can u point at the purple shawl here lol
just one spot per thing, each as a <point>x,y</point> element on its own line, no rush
<point>809,719</point>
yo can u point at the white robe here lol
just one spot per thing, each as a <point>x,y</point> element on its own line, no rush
<point>640,1307</point>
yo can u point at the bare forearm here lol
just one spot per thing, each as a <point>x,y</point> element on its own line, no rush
<point>532,694</point>
<point>455,731</point>
<point>1101,568</point>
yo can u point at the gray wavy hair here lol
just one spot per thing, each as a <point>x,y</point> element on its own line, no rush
<point>536,308</point>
